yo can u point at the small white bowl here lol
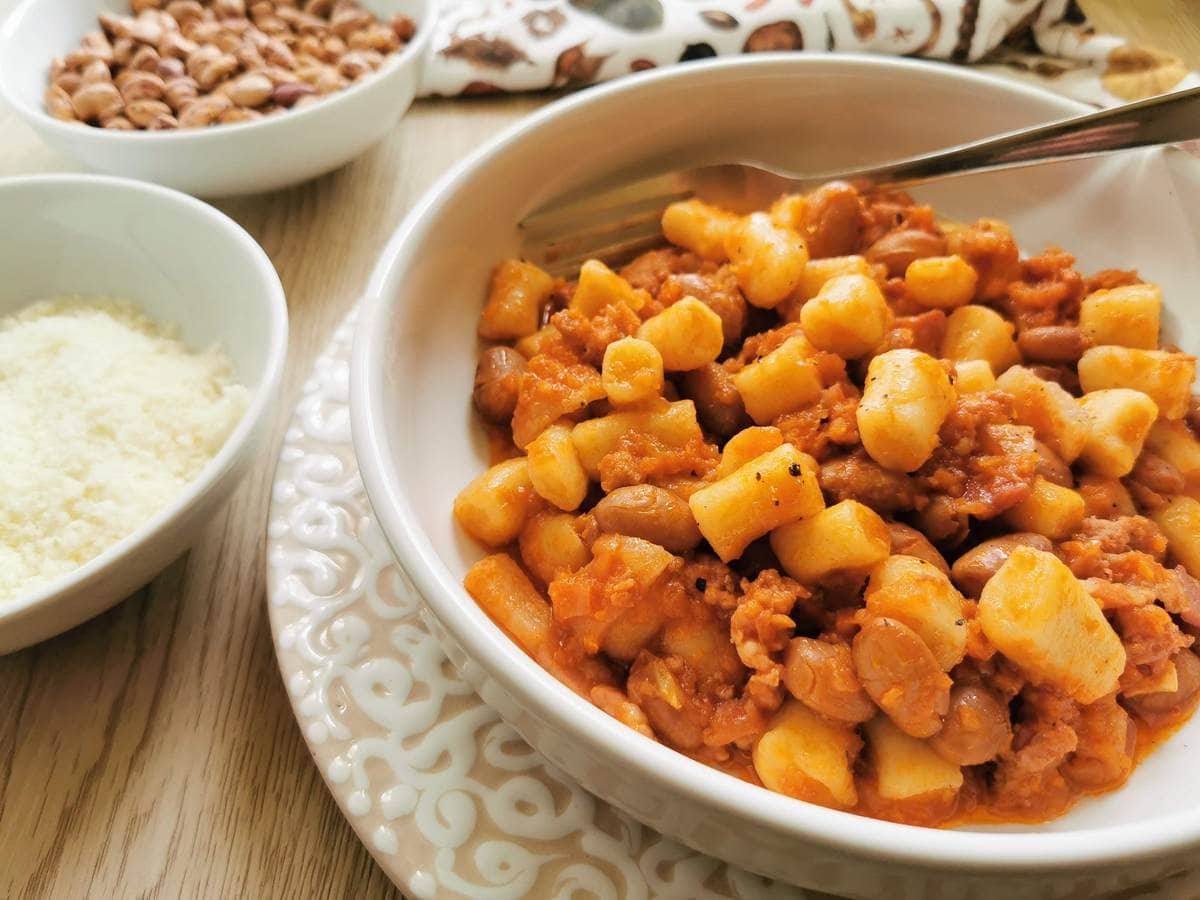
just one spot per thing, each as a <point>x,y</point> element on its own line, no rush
<point>222,160</point>
<point>418,443</point>
<point>184,263</point>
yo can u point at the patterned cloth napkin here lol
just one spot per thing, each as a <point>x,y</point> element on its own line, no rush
<point>498,46</point>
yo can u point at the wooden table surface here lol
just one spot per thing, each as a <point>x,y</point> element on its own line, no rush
<point>152,752</point>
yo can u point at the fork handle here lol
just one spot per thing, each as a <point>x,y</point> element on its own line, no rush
<point>1165,119</point>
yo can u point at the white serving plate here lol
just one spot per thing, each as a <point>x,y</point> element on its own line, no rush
<point>417,443</point>
<point>449,800</point>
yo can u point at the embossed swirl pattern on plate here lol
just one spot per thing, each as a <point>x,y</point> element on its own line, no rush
<point>449,799</point>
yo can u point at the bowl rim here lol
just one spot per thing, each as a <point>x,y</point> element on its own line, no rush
<point>978,852</point>
<point>393,64</point>
<point>257,410</point>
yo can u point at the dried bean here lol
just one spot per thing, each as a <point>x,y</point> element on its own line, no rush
<point>97,101</point>
<point>1052,343</point>
<point>650,513</point>
<point>190,63</point>
<point>289,94</point>
<point>142,112</point>
<point>58,104</point>
<point>898,248</point>
<point>204,111</point>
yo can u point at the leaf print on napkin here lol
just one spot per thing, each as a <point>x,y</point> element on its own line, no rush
<point>542,23</point>
<point>697,51</point>
<point>718,19</point>
<point>966,31</point>
<point>485,52</point>
<point>480,89</point>
<point>775,36</point>
<point>935,28</point>
<point>1134,73</point>
<point>641,64</point>
<point>861,20</point>
<point>574,67</point>
<point>630,15</point>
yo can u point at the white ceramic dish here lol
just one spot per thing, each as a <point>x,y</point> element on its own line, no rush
<point>185,263</point>
<point>221,160</point>
<point>417,442</point>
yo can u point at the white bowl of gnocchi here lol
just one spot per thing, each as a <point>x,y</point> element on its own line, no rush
<point>854,541</point>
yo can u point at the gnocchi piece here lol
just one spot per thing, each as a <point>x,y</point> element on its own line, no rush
<point>973,569</point>
<point>514,304</point>
<point>766,492</point>
<point>674,424</point>
<point>940,282</point>
<point>908,768</point>
<point>495,506</point>
<point>808,757</point>
<point>848,316</point>
<point>1105,498</point>
<point>538,342</point>
<point>551,546</point>
<point>1165,377</point>
<point>782,381</point>
<point>917,593</point>
<point>906,398</point>
<point>788,211</point>
<point>768,259</point>
<point>1046,407</point>
<point>820,271</point>
<point>746,445</point>
<point>1180,522</point>
<point>703,644</point>
<point>1038,614</point>
<point>979,332</point>
<point>628,633</point>
<point>632,371</point>
<point>973,376</point>
<point>1050,510</point>
<point>1176,443</point>
<point>1125,316</point>
<point>1118,422</point>
<point>555,470</point>
<point>699,227</point>
<point>687,334</point>
<point>507,595</point>
<point>846,537</point>
<point>599,286</point>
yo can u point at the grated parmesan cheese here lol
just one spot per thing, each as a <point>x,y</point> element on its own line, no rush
<point>104,418</point>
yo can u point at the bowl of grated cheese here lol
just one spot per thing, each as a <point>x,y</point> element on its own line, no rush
<point>142,341</point>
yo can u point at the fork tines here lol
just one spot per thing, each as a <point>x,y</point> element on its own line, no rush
<point>611,226</point>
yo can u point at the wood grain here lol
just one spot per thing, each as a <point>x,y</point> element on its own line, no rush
<point>151,752</point>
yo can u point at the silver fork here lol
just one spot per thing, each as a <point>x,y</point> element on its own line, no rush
<point>614,223</point>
